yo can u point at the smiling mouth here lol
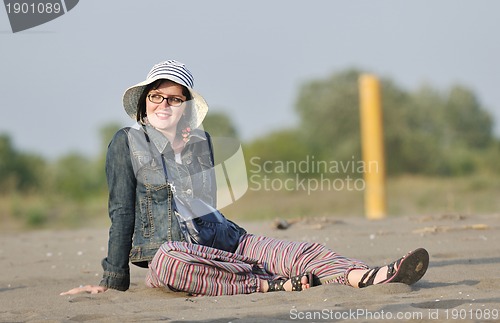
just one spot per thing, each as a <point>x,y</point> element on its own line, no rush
<point>163,115</point>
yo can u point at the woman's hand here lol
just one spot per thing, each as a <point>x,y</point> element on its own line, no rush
<point>91,289</point>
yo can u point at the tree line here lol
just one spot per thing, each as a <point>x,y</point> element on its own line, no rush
<point>426,131</point>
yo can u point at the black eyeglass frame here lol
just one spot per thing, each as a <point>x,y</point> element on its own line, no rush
<point>172,101</point>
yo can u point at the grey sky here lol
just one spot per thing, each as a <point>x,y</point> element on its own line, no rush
<point>61,81</point>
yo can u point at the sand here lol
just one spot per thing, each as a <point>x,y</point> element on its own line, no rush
<point>462,281</point>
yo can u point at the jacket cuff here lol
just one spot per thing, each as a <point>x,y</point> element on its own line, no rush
<point>114,277</point>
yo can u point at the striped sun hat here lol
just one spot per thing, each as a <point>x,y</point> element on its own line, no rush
<point>170,70</point>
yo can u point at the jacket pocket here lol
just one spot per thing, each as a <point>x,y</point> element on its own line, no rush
<point>154,208</point>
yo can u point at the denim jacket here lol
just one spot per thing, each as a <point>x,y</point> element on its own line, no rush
<point>141,217</point>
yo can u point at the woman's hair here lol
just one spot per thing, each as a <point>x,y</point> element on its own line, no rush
<point>141,105</point>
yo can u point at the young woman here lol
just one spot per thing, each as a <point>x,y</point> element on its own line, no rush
<point>161,182</point>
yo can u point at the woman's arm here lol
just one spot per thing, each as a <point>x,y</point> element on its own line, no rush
<point>121,205</point>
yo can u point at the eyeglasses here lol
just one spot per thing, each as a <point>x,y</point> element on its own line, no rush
<point>171,100</point>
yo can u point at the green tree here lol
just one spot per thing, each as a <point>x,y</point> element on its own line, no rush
<point>19,171</point>
<point>425,132</point>
<point>219,124</point>
<point>469,123</point>
<point>279,146</point>
<point>76,177</point>
<point>329,114</point>
<point>420,128</point>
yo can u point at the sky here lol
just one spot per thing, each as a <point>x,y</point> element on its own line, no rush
<point>62,81</point>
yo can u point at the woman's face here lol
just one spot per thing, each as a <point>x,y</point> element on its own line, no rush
<point>162,116</point>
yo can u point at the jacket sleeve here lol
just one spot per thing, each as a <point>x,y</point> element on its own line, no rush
<point>121,207</point>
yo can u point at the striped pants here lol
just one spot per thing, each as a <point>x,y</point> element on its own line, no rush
<point>201,270</point>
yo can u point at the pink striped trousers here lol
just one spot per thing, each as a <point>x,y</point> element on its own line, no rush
<point>201,270</point>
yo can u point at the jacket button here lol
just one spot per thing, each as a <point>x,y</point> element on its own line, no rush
<point>188,161</point>
<point>189,191</point>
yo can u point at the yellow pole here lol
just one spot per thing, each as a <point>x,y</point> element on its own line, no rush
<point>372,146</point>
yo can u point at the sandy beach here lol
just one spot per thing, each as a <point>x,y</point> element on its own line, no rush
<point>461,284</point>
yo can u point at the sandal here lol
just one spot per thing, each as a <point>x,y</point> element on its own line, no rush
<point>407,270</point>
<point>278,284</point>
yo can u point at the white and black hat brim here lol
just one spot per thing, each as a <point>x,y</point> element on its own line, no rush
<point>168,70</point>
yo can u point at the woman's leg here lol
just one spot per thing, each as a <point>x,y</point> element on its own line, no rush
<point>202,270</point>
<point>286,259</point>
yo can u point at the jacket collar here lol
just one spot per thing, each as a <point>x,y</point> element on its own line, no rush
<point>161,142</point>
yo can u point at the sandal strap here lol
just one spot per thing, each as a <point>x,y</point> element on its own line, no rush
<point>370,274</point>
<point>391,268</point>
<point>296,281</point>
<point>276,285</point>
<point>420,257</point>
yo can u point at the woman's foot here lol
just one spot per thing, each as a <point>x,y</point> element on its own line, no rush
<point>407,270</point>
<point>293,284</point>
<point>356,275</point>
